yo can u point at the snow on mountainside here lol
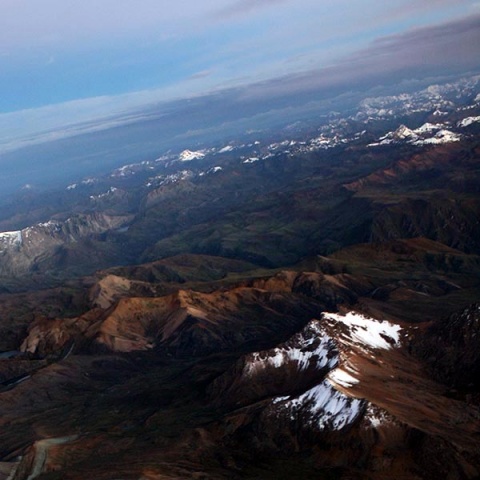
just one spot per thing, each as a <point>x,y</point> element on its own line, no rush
<point>427,134</point>
<point>324,350</point>
<point>376,417</point>
<point>22,249</point>
<point>438,99</point>
<point>162,180</point>
<point>215,169</point>
<point>468,121</point>
<point>325,407</point>
<point>10,239</point>
<point>404,132</point>
<point>428,127</point>
<point>108,193</point>
<point>226,149</point>
<point>367,333</point>
<point>442,136</point>
<point>445,103</point>
<point>358,335</point>
<point>311,348</point>
<point>188,155</point>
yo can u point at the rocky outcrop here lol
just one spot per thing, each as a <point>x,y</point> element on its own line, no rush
<point>33,248</point>
<point>183,323</point>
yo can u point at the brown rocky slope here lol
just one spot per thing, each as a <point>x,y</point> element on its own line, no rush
<point>250,376</point>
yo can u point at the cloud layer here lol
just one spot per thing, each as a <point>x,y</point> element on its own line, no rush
<point>70,67</point>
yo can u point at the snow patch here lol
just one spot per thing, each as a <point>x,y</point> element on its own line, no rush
<point>468,121</point>
<point>403,132</point>
<point>49,224</point>
<point>226,149</point>
<point>328,408</point>
<point>376,417</point>
<point>427,134</point>
<point>342,378</point>
<point>161,180</point>
<point>189,155</point>
<point>309,348</point>
<point>89,181</point>
<point>103,195</point>
<point>368,331</point>
<point>210,170</point>
<point>428,127</point>
<point>443,136</point>
<point>10,239</point>
<point>125,170</point>
<point>276,400</point>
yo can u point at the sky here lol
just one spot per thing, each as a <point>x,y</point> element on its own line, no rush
<point>69,66</point>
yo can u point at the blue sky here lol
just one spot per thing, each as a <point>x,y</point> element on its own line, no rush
<point>67,61</point>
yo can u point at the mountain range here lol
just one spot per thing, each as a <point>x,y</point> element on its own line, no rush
<point>301,303</point>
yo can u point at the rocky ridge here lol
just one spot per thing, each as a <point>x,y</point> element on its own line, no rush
<point>262,364</point>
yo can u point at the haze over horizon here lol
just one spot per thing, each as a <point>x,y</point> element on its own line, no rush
<point>163,71</point>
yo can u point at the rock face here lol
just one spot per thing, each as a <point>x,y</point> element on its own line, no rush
<point>184,323</point>
<point>193,323</point>
<point>26,250</point>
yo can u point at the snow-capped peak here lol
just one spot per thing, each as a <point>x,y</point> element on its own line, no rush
<point>227,148</point>
<point>403,132</point>
<point>188,155</point>
<point>310,348</point>
<point>427,134</point>
<point>366,332</point>
<point>468,121</point>
<point>442,136</point>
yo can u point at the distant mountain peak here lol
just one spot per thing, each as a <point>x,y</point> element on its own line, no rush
<point>188,155</point>
<point>404,132</point>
